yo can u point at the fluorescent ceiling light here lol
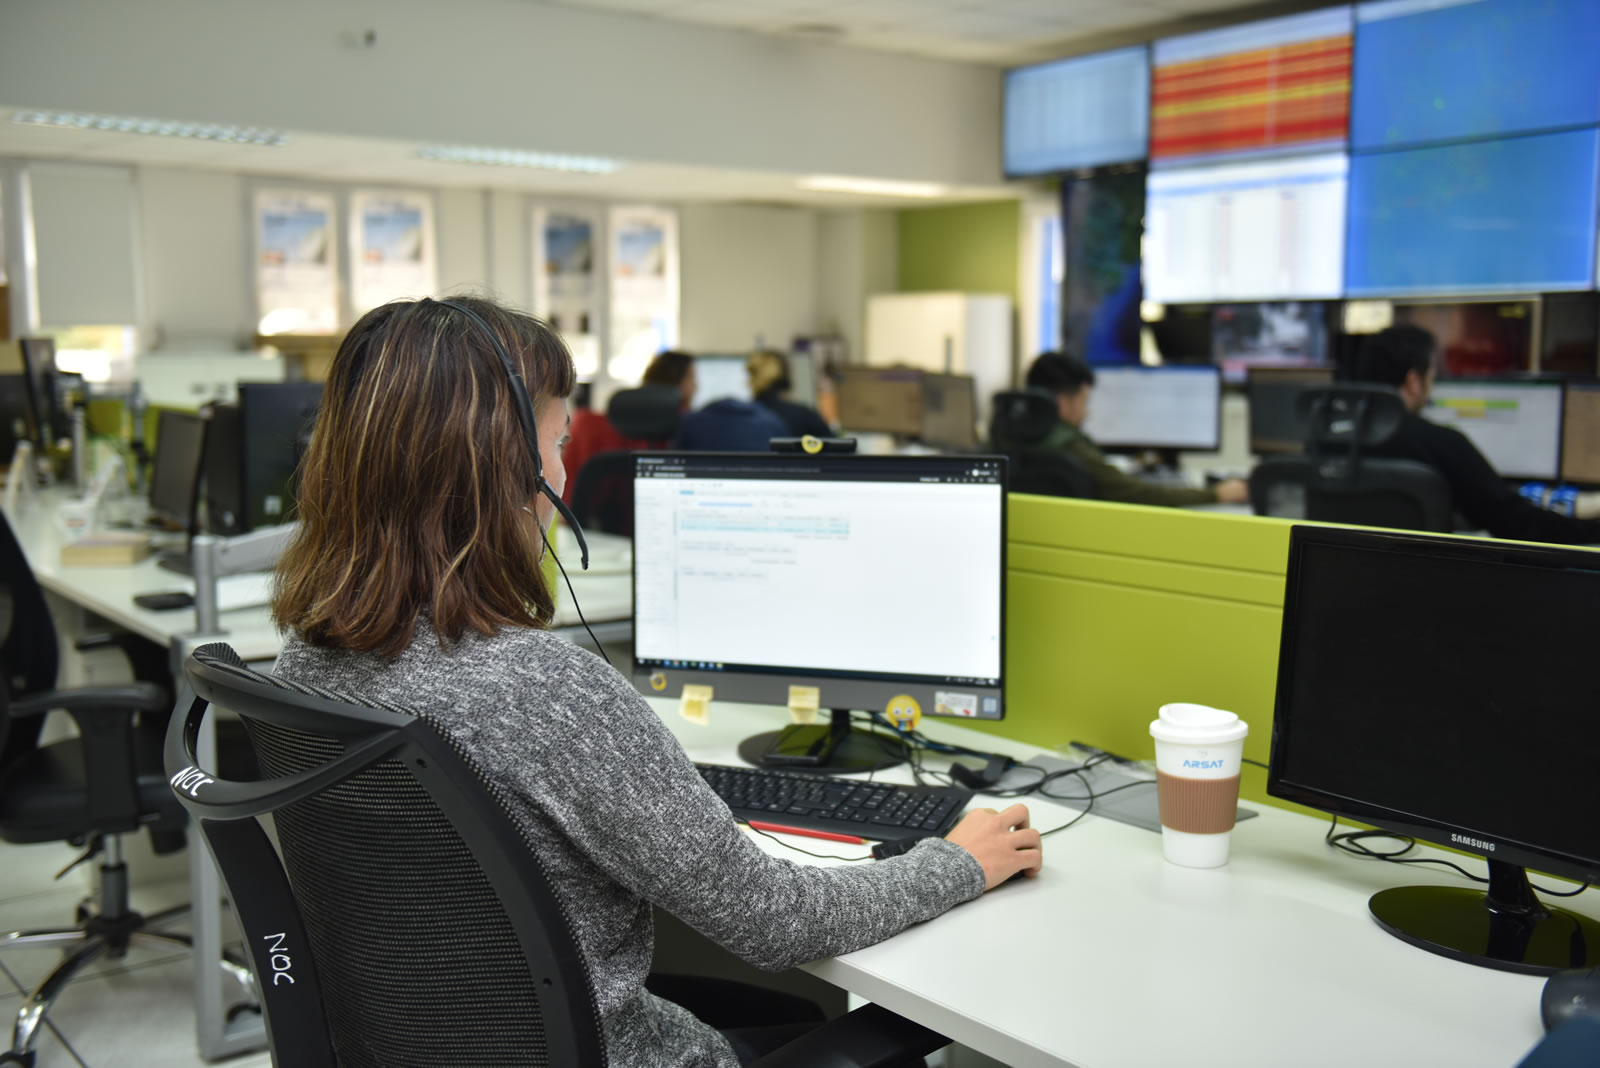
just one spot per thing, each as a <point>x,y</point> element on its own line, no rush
<point>200,131</point>
<point>514,157</point>
<point>835,183</point>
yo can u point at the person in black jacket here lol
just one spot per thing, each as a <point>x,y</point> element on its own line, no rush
<point>769,382</point>
<point>1402,357</point>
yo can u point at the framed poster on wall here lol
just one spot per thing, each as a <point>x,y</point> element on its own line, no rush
<point>392,248</point>
<point>297,262</point>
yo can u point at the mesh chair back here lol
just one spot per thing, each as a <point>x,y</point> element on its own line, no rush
<point>1019,421</point>
<point>433,935</point>
<point>648,413</point>
<point>29,657</point>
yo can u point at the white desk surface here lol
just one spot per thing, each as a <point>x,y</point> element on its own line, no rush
<point>605,591</point>
<point>1113,958</point>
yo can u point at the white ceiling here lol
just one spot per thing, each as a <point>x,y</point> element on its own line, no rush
<point>1004,32</point>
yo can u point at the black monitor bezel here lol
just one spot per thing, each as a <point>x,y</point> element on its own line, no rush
<point>1460,837</point>
<point>848,689</point>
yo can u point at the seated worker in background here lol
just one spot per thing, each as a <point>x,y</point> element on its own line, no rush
<point>591,432</point>
<point>1403,358</point>
<point>414,577</point>
<point>675,369</point>
<point>1070,381</point>
<point>769,385</point>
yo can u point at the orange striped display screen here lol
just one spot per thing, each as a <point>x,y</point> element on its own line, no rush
<point>1262,88</point>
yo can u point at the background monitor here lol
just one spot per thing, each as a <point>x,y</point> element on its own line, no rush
<point>1272,230</point>
<point>1432,72</point>
<point>1515,215</point>
<point>1274,395</point>
<point>1440,687</point>
<point>1156,408</point>
<point>881,400</point>
<point>1476,338</point>
<point>1569,333</point>
<point>1073,113</point>
<point>175,474</point>
<point>252,451</point>
<point>39,364</point>
<point>1279,334</point>
<point>1516,425</point>
<point>719,377</point>
<point>1580,434</point>
<point>16,415</point>
<point>754,573</point>
<point>1276,86</point>
<point>949,412</point>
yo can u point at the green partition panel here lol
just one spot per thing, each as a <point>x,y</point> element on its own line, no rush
<point>1114,610</point>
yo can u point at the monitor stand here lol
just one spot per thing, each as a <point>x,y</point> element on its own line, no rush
<point>1505,928</point>
<point>857,751</point>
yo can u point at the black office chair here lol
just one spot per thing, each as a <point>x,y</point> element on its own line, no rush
<point>602,492</point>
<point>394,847</point>
<point>1336,482</point>
<point>87,790</point>
<point>1018,422</point>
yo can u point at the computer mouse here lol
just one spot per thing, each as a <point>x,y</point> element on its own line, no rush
<point>1570,994</point>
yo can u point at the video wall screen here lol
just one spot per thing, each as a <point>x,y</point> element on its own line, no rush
<point>1074,113</point>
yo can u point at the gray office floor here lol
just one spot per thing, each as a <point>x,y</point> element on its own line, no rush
<point>125,1013</point>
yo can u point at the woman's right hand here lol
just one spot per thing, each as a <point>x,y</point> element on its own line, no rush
<point>1002,842</point>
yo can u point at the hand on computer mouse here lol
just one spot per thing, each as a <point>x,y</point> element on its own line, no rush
<point>1233,491</point>
<point>1002,842</point>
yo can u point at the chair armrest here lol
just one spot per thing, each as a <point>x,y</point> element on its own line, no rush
<point>117,700</point>
<point>869,1037</point>
<point>104,715</point>
<point>100,640</point>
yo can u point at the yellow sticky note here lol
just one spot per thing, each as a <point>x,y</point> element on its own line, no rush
<point>803,703</point>
<point>695,705</point>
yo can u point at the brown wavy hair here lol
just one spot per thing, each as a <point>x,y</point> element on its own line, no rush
<point>412,491</point>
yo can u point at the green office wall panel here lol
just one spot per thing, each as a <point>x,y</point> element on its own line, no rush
<point>963,248</point>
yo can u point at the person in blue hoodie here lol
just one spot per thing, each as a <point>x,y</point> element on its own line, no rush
<point>730,425</point>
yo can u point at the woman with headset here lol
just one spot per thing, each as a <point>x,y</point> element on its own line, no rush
<point>425,498</point>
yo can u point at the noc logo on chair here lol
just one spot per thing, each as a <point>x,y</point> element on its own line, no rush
<point>189,781</point>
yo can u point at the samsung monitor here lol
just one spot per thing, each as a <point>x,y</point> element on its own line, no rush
<point>1580,434</point>
<point>754,573</point>
<point>1516,424</point>
<point>1276,424</point>
<point>719,378</point>
<point>881,400</point>
<point>253,449</point>
<point>1274,87</point>
<point>1448,70</point>
<point>1156,408</point>
<point>949,412</point>
<point>1277,334</point>
<point>175,474</point>
<point>1269,230</point>
<point>1070,114</point>
<point>1516,215</point>
<point>1440,688</point>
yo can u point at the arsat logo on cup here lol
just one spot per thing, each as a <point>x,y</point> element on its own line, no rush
<point>1202,763</point>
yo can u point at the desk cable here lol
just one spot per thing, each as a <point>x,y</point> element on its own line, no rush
<point>1355,844</point>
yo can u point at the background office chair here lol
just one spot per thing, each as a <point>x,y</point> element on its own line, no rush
<point>1334,482</point>
<point>602,493</point>
<point>408,922</point>
<point>1019,421</point>
<point>88,790</point>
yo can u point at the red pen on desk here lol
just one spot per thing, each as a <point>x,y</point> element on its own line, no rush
<point>805,832</point>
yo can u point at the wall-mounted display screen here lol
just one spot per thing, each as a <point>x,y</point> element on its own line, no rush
<point>1476,338</point>
<point>1445,70</point>
<point>1272,230</point>
<point>1515,215</point>
<point>1281,334</point>
<point>1276,86</point>
<point>1083,112</point>
<point>1102,226</point>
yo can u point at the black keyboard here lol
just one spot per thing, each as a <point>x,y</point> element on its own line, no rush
<point>843,806</point>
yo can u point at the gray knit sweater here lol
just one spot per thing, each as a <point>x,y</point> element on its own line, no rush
<point>620,819</point>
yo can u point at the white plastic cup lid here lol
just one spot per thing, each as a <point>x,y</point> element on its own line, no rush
<point>1189,724</point>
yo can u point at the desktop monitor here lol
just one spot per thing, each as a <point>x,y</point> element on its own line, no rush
<point>175,474</point>
<point>1071,114</point>
<point>1439,688</point>
<point>881,400</point>
<point>1515,424</point>
<point>1274,87</point>
<point>16,415</point>
<point>252,451</point>
<point>1276,425</point>
<point>1268,230</point>
<point>39,364</point>
<point>874,579</point>
<point>1282,334</point>
<point>1580,434</point>
<point>1156,408</point>
<point>949,412</point>
<point>1435,72</point>
<point>1516,215</point>
<point>718,378</point>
